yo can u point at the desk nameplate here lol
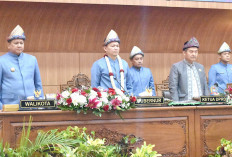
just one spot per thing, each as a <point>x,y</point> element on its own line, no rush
<point>213,99</point>
<point>37,104</point>
<point>149,100</point>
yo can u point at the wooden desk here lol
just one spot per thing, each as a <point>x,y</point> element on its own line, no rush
<point>176,131</point>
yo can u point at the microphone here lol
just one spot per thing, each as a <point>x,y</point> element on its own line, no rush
<point>216,84</point>
<point>120,85</point>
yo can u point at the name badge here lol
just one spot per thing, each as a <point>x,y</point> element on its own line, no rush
<point>151,100</point>
<point>212,99</point>
<point>37,105</point>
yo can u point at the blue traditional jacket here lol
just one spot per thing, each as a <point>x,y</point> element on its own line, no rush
<point>100,74</point>
<point>221,74</point>
<point>142,79</point>
<point>19,78</point>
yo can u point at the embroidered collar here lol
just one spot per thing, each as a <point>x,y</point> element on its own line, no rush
<point>189,64</point>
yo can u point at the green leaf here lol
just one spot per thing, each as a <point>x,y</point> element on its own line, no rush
<point>133,140</point>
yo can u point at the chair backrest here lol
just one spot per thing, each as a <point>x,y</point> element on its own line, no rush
<point>166,94</point>
<point>164,86</point>
<point>78,81</point>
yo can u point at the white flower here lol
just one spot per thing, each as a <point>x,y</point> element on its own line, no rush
<point>123,105</point>
<point>81,100</point>
<point>65,94</point>
<point>99,104</point>
<point>93,93</point>
<point>127,105</point>
<point>118,97</point>
<point>74,97</point>
<point>92,96</point>
<point>126,98</point>
<point>104,94</point>
<point>104,100</point>
<point>62,102</point>
<point>119,92</point>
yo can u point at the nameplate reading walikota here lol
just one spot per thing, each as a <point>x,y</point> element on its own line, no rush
<point>150,100</point>
<point>213,99</point>
<point>37,104</point>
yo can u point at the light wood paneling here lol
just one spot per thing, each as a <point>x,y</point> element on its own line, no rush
<point>57,68</point>
<point>163,3</point>
<point>51,27</point>
<point>51,89</point>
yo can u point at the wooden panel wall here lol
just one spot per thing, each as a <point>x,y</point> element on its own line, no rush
<point>163,3</point>
<point>67,38</point>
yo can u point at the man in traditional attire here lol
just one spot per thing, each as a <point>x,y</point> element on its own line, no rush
<point>142,79</point>
<point>187,79</point>
<point>111,71</point>
<point>19,72</point>
<point>221,73</point>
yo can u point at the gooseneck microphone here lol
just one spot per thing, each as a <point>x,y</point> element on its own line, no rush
<point>216,84</point>
<point>120,85</point>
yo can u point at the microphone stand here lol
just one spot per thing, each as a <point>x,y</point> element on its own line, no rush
<point>216,85</point>
<point>121,86</point>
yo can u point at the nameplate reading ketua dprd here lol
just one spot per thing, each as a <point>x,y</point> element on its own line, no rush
<point>150,100</point>
<point>37,104</point>
<point>212,99</point>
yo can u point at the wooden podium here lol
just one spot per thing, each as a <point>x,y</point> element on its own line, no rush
<point>191,131</point>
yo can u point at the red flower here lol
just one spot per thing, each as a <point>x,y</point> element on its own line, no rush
<point>115,102</point>
<point>58,96</point>
<point>111,91</point>
<point>111,74</point>
<point>106,108</point>
<point>95,89</point>
<point>93,103</point>
<point>230,90</point>
<point>83,93</point>
<point>69,101</point>
<point>132,99</point>
<point>99,94</point>
<point>74,90</point>
<point>121,70</point>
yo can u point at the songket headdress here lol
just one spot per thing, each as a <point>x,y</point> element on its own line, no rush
<point>111,37</point>
<point>135,51</point>
<point>224,48</point>
<point>191,43</point>
<point>17,33</point>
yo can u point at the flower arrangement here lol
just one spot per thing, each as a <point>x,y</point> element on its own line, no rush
<point>228,92</point>
<point>95,99</point>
